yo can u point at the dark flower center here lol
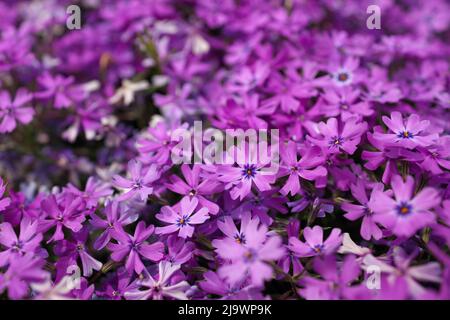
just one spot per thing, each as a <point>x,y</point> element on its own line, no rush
<point>405,135</point>
<point>249,171</point>
<point>250,255</point>
<point>240,238</point>
<point>318,248</point>
<point>404,209</point>
<point>336,141</point>
<point>183,221</point>
<point>137,184</point>
<point>342,76</point>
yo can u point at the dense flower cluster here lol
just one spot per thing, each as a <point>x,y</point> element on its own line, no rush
<point>93,207</point>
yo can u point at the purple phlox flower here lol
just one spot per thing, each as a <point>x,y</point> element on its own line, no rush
<point>161,286</point>
<point>182,217</point>
<point>13,111</point>
<point>249,260</point>
<point>88,116</point>
<point>286,94</point>
<point>135,246</point>
<point>405,214</point>
<point>214,284</point>
<point>157,145</point>
<point>68,211</point>
<point>293,230</point>
<point>333,139</point>
<point>437,156</point>
<point>20,207</point>
<point>249,113</point>
<point>114,213</point>
<point>308,167</point>
<point>260,204</point>
<point>195,187</point>
<point>369,228</point>
<point>408,134</point>
<point>344,102</point>
<point>249,77</point>
<point>246,172</point>
<point>387,154</point>
<point>179,251</point>
<point>412,275</point>
<point>22,271</point>
<point>116,287</point>
<point>94,191</point>
<point>335,282</point>
<point>381,89</point>
<point>4,201</point>
<point>249,228</point>
<point>60,89</point>
<point>15,47</point>
<point>70,250</point>
<point>345,74</point>
<point>314,244</point>
<point>139,183</point>
<point>28,240</point>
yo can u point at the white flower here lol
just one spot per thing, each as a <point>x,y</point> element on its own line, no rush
<point>128,90</point>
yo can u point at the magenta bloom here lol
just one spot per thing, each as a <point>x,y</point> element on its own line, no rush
<point>71,250</point>
<point>60,89</point>
<point>135,246</point>
<point>369,228</point>
<point>247,249</point>
<point>13,111</point>
<point>94,191</point>
<point>195,187</point>
<point>250,260</point>
<point>405,214</point>
<point>314,244</point>
<point>157,288</point>
<point>334,139</point>
<point>22,271</point>
<point>27,242</point>
<point>248,229</point>
<point>139,183</point>
<point>309,167</point>
<point>408,134</point>
<point>182,217</point>
<point>241,177</point>
<point>67,212</point>
<point>114,214</point>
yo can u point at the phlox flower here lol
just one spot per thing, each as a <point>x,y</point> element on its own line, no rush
<point>334,138</point>
<point>249,260</point>
<point>22,271</point>
<point>308,167</point>
<point>70,250</point>
<point>160,286</point>
<point>135,246</point>
<point>139,183</point>
<point>406,213</point>
<point>369,228</point>
<point>314,244</point>
<point>195,187</point>
<point>114,213</point>
<point>28,240</point>
<point>408,133</point>
<point>182,217</point>
<point>13,111</point>
<point>67,212</point>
